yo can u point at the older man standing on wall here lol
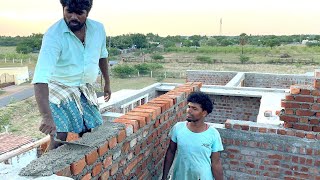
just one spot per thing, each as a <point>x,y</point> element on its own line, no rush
<point>73,49</point>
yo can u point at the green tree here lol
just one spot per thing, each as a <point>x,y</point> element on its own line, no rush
<point>212,42</point>
<point>139,40</point>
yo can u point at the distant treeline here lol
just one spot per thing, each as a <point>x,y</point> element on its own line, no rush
<point>32,43</point>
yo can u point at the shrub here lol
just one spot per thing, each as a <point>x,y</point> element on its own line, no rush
<point>204,59</point>
<point>114,51</point>
<point>124,71</point>
<point>157,57</point>
<point>244,59</point>
<point>145,68</point>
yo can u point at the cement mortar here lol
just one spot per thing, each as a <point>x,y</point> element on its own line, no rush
<point>57,159</point>
<point>274,139</point>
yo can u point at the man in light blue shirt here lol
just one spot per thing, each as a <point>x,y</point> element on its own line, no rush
<point>72,52</point>
<point>195,144</point>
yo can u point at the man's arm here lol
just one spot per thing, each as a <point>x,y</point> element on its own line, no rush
<point>103,64</point>
<point>216,166</point>
<point>169,158</point>
<point>47,125</point>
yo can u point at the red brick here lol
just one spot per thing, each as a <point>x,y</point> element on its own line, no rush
<point>315,93</point>
<point>304,113</point>
<point>302,127</point>
<point>92,157</point>
<point>288,118</point>
<point>163,106</point>
<point>142,110</point>
<point>290,132</point>
<point>114,169</point>
<point>314,121</point>
<point>130,166</point>
<point>281,131</point>
<point>104,176</point>
<point>146,115</point>
<point>305,92</point>
<point>64,172</point>
<point>304,120</point>
<point>289,97</point>
<point>141,120</point>
<point>245,127</point>
<point>97,169</point>
<point>147,106</point>
<point>121,136</point>
<point>126,147</point>
<point>275,156</point>
<point>112,142</point>
<point>316,129</point>
<point>103,149</point>
<point>263,130</point>
<point>290,104</point>
<point>86,177</point>
<point>316,83</point>
<point>294,90</point>
<point>289,111</point>
<point>305,106</point>
<point>227,125</point>
<point>77,167</point>
<point>134,123</point>
<point>107,161</point>
<point>300,134</point>
<point>304,99</point>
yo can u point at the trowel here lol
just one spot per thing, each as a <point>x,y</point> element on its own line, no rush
<point>68,142</point>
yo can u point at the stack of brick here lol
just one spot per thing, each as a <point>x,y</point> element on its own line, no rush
<point>302,108</point>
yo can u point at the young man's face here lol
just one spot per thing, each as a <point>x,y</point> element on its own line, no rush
<point>195,112</point>
<point>75,19</point>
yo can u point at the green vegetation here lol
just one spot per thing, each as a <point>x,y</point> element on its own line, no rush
<point>244,59</point>
<point>204,59</point>
<point>157,57</point>
<point>124,71</point>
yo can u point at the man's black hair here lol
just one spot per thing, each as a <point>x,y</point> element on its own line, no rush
<point>77,5</point>
<point>202,99</point>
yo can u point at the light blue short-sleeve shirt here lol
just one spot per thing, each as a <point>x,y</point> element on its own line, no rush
<point>194,151</point>
<point>65,59</point>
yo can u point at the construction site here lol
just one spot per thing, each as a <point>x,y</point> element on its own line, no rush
<point>269,125</point>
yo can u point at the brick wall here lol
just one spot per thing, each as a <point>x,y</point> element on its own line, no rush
<point>260,151</point>
<point>302,108</point>
<point>234,107</point>
<point>133,145</point>
<point>282,81</point>
<point>210,77</point>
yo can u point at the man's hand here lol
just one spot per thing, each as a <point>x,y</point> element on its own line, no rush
<point>107,93</point>
<point>47,126</point>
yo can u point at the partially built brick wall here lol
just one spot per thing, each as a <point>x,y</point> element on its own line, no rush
<point>234,107</point>
<point>260,151</point>
<point>210,77</point>
<point>281,81</point>
<point>133,146</point>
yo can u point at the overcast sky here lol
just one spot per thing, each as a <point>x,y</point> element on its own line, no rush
<point>171,17</point>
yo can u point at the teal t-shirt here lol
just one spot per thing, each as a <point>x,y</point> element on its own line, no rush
<point>194,150</point>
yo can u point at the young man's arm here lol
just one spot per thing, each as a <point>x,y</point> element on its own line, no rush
<point>103,65</point>
<point>169,158</point>
<point>216,166</point>
<point>41,92</point>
